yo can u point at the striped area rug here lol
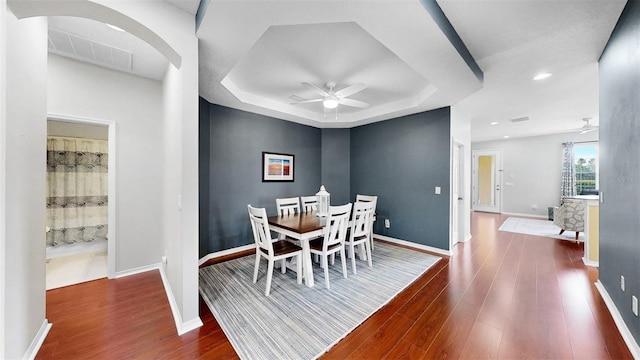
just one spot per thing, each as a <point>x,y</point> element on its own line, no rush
<point>297,322</point>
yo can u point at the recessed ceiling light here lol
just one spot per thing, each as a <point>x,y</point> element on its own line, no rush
<point>493,123</point>
<point>542,76</point>
<point>506,136</point>
<point>114,27</point>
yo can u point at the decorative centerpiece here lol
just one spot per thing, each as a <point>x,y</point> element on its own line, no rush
<point>323,201</point>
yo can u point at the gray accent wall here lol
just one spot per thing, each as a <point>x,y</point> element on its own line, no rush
<point>620,164</point>
<point>402,161</point>
<point>336,164</point>
<point>236,140</point>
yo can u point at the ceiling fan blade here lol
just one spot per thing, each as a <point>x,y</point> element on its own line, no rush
<point>316,89</point>
<point>589,129</point>
<point>306,101</point>
<point>350,90</point>
<point>353,103</point>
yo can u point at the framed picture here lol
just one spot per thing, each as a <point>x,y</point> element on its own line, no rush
<point>277,167</point>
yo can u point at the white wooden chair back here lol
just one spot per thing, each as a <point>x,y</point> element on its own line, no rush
<point>288,206</point>
<point>309,203</point>
<point>335,231</point>
<point>260,228</point>
<point>367,198</point>
<point>361,219</point>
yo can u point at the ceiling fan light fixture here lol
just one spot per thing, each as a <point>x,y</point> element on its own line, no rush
<point>330,102</point>
<point>542,76</point>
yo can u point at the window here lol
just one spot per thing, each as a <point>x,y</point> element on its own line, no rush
<point>586,166</point>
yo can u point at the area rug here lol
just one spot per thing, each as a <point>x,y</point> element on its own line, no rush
<point>298,322</point>
<point>538,227</point>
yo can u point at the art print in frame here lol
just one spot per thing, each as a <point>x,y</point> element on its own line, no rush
<point>277,167</point>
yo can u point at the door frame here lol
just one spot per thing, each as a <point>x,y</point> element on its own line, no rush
<point>457,217</point>
<point>497,153</point>
<point>111,176</point>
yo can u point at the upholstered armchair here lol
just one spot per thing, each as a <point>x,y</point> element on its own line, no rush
<point>570,216</point>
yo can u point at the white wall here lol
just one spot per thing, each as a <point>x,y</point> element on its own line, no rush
<point>24,184</point>
<point>532,170</point>
<point>461,133</point>
<point>82,90</point>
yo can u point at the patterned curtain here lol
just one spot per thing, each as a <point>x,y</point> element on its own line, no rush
<point>76,190</point>
<point>568,187</point>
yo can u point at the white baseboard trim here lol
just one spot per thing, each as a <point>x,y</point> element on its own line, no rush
<point>231,251</point>
<point>37,342</point>
<point>138,270</point>
<point>526,215</point>
<point>467,238</point>
<point>181,326</point>
<point>590,263</point>
<point>617,318</point>
<point>413,245</point>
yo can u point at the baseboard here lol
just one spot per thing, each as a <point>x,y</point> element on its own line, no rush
<point>526,215</point>
<point>617,318</point>
<point>590,263</point>
<point>467,238</point>
<point>181,326</point>
<point>38,340</point>
<point>413,245</point>
<point>231,251</point>
<point>138,270</point>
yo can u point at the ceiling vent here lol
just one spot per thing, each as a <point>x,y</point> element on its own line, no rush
<point>80,48</point>
<point>520,119</point>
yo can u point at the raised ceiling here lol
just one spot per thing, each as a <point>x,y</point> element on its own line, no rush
<point>254,55</point>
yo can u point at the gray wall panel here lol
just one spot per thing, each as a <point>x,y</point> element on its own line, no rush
<point>336,165</point>
<point>620,164</point>
<point>237,140</point>
<point>402,161</point>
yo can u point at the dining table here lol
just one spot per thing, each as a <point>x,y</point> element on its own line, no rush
<point>302,226</point>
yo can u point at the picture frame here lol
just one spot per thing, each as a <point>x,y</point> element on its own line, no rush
<point>277,167</point>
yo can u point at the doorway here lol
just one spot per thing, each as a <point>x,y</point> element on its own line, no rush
<point>487,180</point>
<point>79,206</point>
<point>457,193</point>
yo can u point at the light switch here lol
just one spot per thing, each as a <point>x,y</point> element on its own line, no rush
<point>437,190</point>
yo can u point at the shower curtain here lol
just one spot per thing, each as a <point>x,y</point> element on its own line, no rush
<point>76,190</point>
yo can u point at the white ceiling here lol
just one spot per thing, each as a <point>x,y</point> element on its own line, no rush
<point>254,55</point>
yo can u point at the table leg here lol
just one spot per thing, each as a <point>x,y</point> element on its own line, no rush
<point>307,266</point>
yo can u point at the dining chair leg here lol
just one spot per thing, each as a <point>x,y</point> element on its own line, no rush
<point>344,262</point>
<point>368,247</point>
<point>326,272</point>
<point>269,276</point>
<point>353,260</point>
<point>283,266</point>
<point>257,267</point>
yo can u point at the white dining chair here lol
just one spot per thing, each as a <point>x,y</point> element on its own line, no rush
<point>288,206</point>
<point>360,232</point>
<point>270,249</point>
<point>309,203</point>
<point>374,200</point>
<point>335,233</point>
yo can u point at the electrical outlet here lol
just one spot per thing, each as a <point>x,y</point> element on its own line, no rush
<point>438,190</point>
<point>622,282</point>
<point>387,223</point>
<point>634,305</point>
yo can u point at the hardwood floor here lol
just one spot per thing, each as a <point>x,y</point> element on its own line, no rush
<point>502,296</point>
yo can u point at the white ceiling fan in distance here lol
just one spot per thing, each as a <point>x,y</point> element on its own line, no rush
<point>330,98</point>
<point>587,127</point>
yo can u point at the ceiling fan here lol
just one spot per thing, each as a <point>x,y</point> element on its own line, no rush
<point>330,98</point>
<point>587,127</point>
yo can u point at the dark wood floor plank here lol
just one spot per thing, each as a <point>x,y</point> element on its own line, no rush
<point>501,296</point>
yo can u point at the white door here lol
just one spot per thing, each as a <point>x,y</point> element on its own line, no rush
<point>487,180</point>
